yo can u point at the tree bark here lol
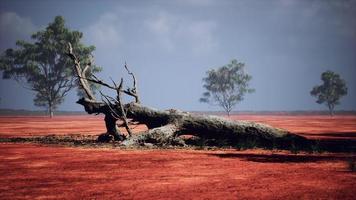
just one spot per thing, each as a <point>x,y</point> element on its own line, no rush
<point>165,127</point>
<point>331,109</point>
<point>111,128</point>
<point>92,107</point>
<point>50,109</point>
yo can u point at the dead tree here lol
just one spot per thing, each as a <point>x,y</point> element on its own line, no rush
<point>165,127</point>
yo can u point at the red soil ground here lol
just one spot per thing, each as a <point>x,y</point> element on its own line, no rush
<point>29,171</point>
<point>16,126</point>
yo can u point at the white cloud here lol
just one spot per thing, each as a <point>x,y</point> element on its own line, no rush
<point>172,31</point>
<point>14,27</point>
<point>199,35</point>
<point>152,27</point>
<point>161,27</point>
<point>105,32</point>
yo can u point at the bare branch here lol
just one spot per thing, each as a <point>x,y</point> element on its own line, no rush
<point>131,92</point>
<point>134,91</point>
<point>115,87</point>
<point>124,118</point>
<point>113,82</point>
<point>110,105</point>
<point>118,102</point>
<point>100,82</point>
<point>83,81</point>
<point>91,60</point>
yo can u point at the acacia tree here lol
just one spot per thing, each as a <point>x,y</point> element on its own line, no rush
<point>44,67</point>
<point>330,92</point>
<point>165,127</point>
<point>226,86</point>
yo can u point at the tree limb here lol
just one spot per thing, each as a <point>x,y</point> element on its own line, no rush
<point>124,118</point>
<point>134,91</point>
<point>79,72</point>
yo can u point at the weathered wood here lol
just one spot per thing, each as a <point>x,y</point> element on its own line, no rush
<point>166,126</point>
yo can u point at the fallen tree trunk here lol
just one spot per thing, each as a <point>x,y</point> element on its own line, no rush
<point>166,127</point>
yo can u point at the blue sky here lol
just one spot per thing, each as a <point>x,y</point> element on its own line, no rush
<point>285,44</point>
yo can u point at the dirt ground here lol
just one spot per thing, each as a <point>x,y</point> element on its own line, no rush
<point>30,171</point>
<point>16,126</point>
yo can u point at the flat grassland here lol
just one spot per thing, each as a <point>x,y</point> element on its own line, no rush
<point>33,171</point>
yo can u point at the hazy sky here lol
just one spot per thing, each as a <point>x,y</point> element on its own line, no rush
<point>285,44</point>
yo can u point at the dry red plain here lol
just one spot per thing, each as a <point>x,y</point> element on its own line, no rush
<point>30,171</point>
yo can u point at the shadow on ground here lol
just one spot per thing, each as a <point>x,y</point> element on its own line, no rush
<point>351,135</point>
<point>283,158</point>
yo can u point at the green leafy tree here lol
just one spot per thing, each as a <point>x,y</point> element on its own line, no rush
<point>330,92</point>
<point>226,86</point>
<point>44,67</point>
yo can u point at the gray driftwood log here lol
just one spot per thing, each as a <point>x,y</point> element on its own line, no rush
<point>166,127</point>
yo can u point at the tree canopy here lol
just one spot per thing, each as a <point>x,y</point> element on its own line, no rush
<point>43,66</point>
<point>226,86</point>
<point>330,92</point>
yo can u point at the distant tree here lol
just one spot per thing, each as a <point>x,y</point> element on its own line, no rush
<point>330,92</point>
<point>44,67</point>
<point>226,86</point>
